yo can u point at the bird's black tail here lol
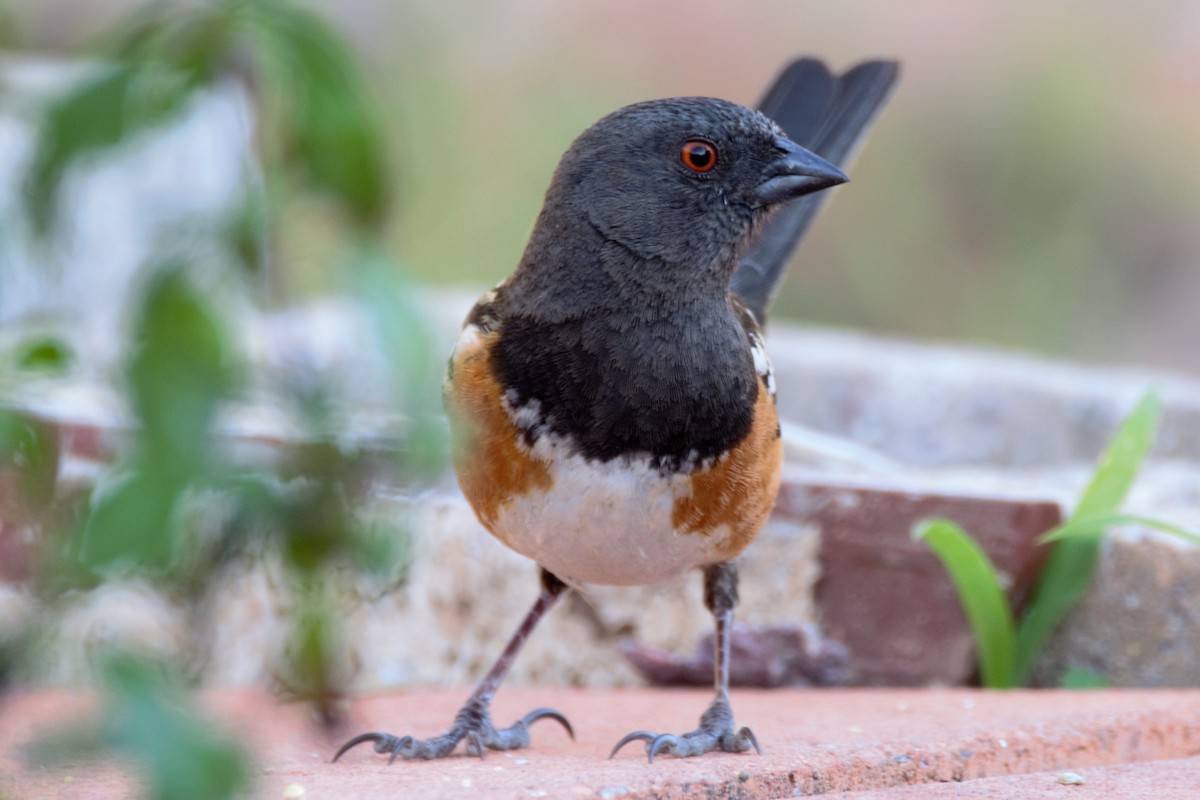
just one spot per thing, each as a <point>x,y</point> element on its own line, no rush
<point>827,114</point>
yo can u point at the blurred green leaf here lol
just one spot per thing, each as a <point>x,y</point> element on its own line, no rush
<point>312,654</point>
<point>31,447</point>
<point>147,720</point>
<point>1089,526</point>
<point>104,111</point>
<point>405,336</point>
<point>1069,568</point>
<point>245,230</point>
<point>197,39</point>
<point>382,547</point>
<point>982,598</point>
<point>316,104</point>
<point>1083,679</point>
<point>133,523</point>
<point>163,55</point>
<point>329,130</point>
<point>46,354</point>
<point>317,525</point>
<point>182,368</point>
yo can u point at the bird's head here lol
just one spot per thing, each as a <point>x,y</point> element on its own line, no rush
<point>683,180</point>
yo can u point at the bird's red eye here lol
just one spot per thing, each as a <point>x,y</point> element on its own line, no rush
<point>698,155</point>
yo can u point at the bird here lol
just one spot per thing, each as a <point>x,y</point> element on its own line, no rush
<point>611,403</point>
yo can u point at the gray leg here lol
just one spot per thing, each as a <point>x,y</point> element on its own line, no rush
<point>716,723</point>
<point>473,722</point>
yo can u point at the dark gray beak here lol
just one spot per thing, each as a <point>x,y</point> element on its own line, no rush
<point>796,172</point>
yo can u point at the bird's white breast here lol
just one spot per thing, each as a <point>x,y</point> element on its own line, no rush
<point>604,522</point>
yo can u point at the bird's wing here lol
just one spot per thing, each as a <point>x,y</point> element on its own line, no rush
<point>827,114</point>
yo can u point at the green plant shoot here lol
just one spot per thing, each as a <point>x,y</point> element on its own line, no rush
<point>1007,651</point>
<point>983,600</point>
<point>1069,568</point>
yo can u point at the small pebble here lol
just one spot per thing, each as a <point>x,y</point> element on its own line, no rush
<point>521,761</point>
<point>902,759</point>
<point>1003,743</point>
<point>536,793</point>
<point>1070,779</point>
<point>743,776</point>
<point>465,783</point>
<point>854,729</point>
<point>293,791</point>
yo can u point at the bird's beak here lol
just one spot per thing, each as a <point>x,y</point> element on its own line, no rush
<point>794,173</point>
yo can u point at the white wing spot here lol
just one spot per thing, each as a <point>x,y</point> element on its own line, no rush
<point>762,362</point>
<point>467,339</point>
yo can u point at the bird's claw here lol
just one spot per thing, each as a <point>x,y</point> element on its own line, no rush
<point>645,736</point>
<point>692,744</point>
<point>473,724</point>
<point>547,713</point>
<point>715,733</point>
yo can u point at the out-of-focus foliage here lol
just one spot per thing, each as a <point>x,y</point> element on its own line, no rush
<point>180,370</point>
<point>44,354</point>
<point>148,720</point>
<point>29,449</point>
<point>397,319</point>
<point>320,142</point>
<point>102,113</point>
<point>321,131</point>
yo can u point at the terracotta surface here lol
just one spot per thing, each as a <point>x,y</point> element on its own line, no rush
<point>1158,780</point>
<point>814,742</point>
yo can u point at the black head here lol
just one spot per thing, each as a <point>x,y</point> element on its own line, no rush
<point>683,180</point>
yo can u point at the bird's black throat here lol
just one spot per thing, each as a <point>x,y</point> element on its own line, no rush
<point>680,388</point>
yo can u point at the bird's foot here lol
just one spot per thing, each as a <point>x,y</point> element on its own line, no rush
<point>715,733</point>
<point>473,724</point>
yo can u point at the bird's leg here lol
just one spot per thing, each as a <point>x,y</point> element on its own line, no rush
<point>473,722</point>
<point>716,723</point>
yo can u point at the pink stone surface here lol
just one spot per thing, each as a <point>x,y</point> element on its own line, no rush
<point>949,742</point>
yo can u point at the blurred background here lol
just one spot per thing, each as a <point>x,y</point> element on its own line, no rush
<point>1034,184</point>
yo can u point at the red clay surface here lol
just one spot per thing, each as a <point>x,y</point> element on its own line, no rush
<point>961,743</point>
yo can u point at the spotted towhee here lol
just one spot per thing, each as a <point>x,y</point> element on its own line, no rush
<point>612,402</point>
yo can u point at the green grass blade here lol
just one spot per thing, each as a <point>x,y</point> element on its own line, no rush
<point>1119,465</point>
<point>1070,566</point>
<point>1087,526</point>
<point>979,592</point>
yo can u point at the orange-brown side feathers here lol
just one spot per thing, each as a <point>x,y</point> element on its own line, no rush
<point>492,464</point>
<point>739,490</point>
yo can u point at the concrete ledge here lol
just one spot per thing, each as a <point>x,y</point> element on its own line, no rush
<point>814,742</point>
